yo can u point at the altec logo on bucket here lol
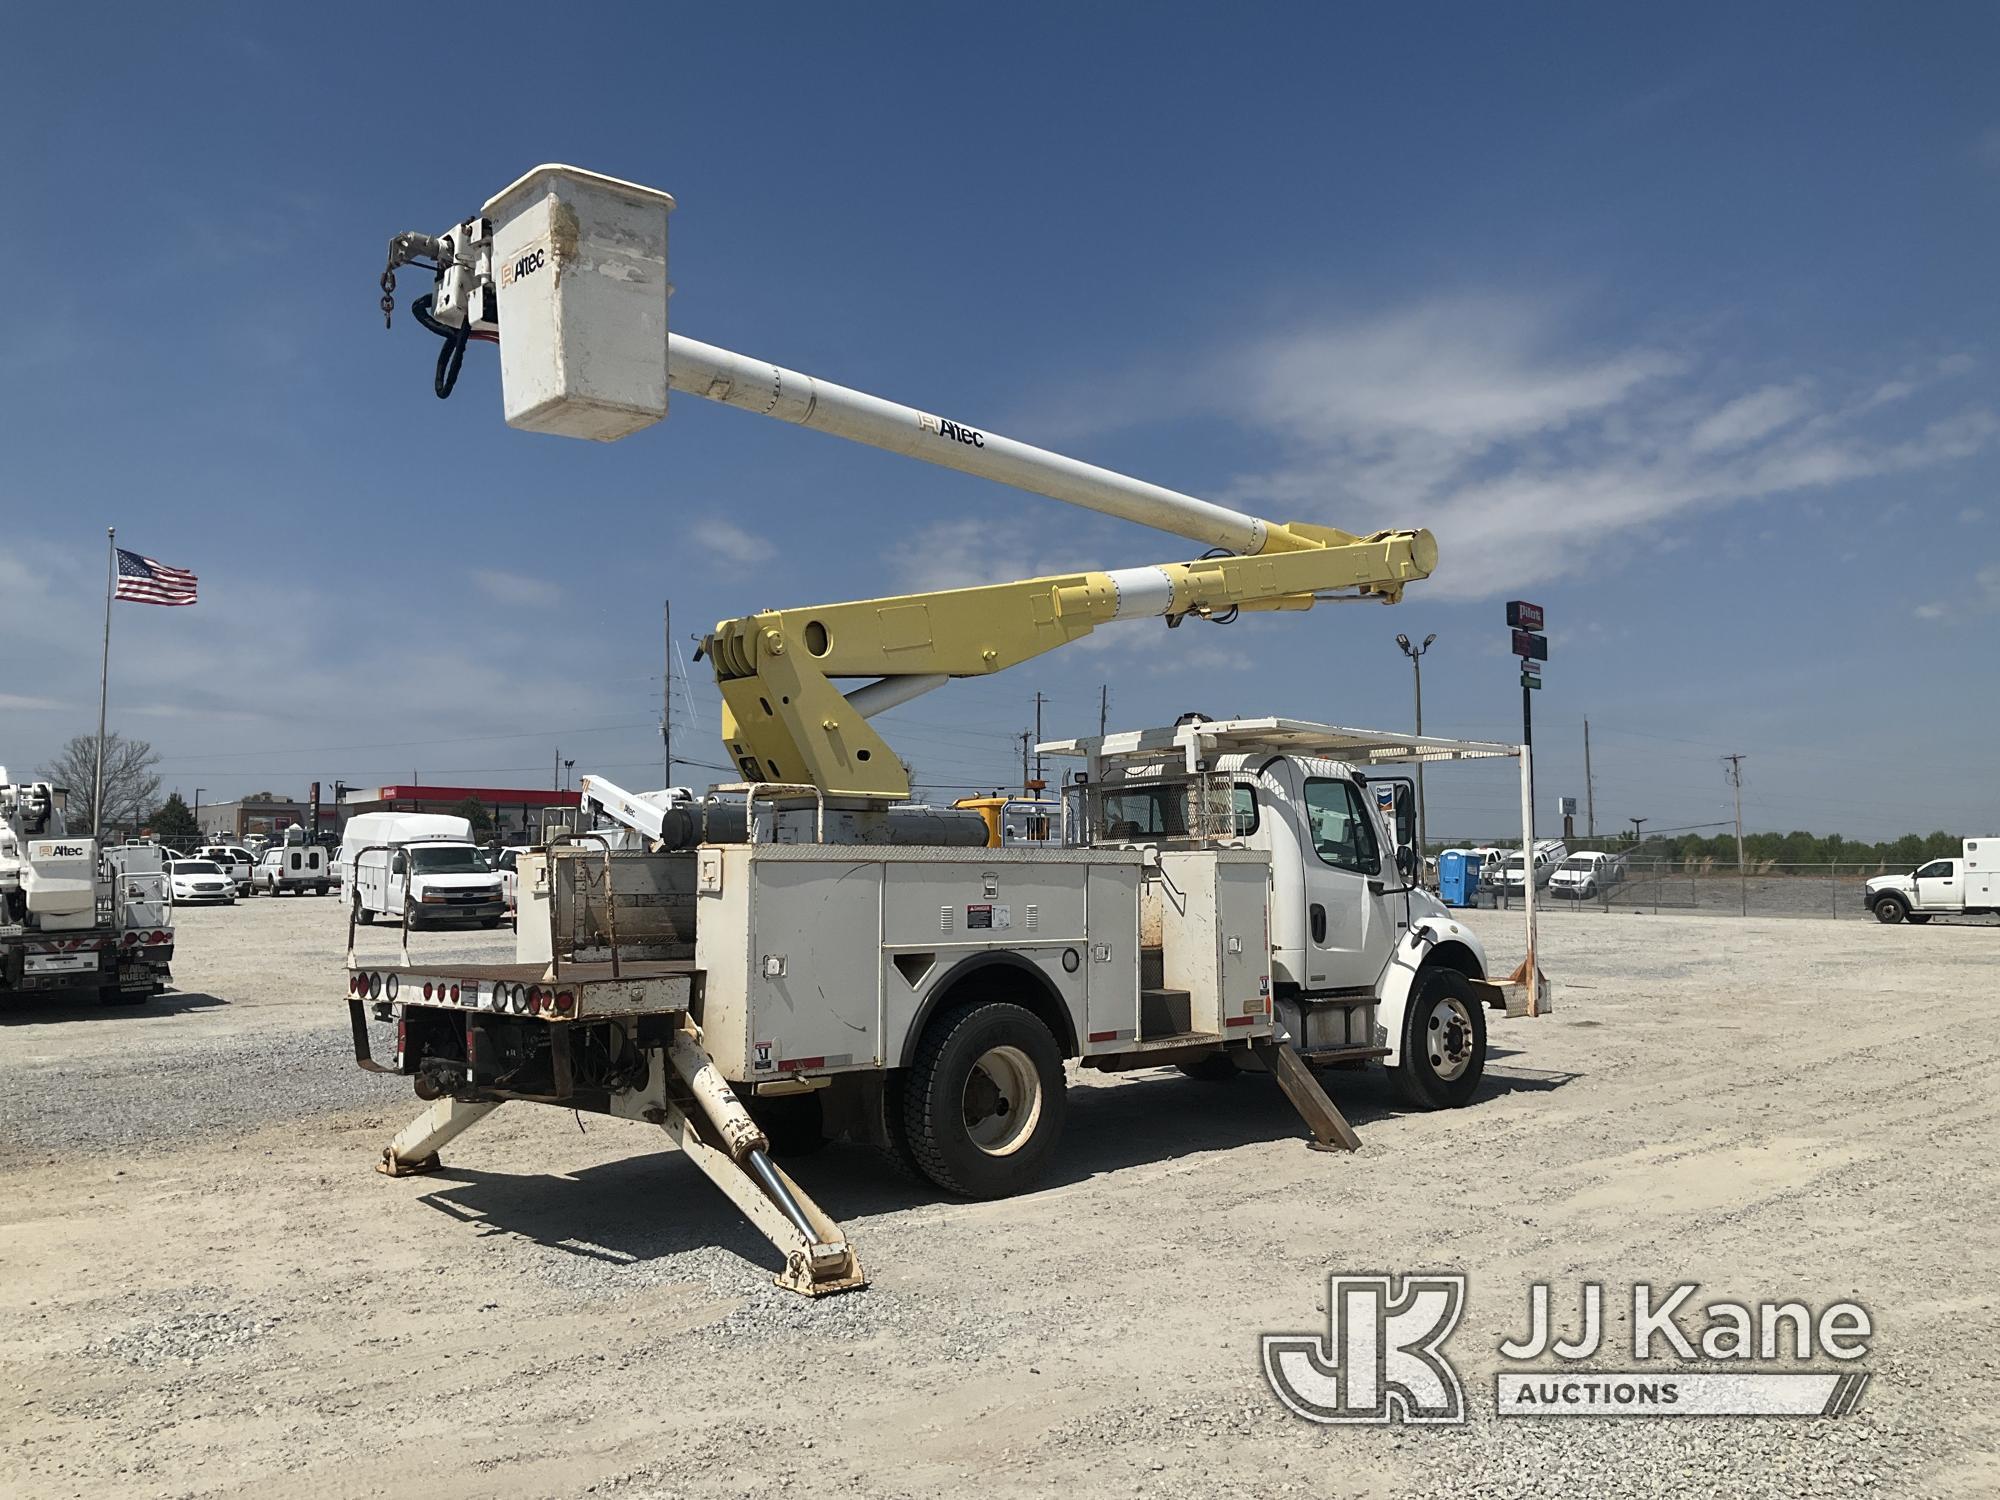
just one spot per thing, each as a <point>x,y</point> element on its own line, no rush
<point>1381,1359</point>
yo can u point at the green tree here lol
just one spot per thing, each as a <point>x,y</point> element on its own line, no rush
<point>173,820</point>
<point>474,812</point>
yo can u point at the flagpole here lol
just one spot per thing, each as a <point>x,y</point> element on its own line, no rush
<point>104,682</point>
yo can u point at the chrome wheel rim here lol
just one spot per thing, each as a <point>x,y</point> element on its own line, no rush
<point>1448,1038</point>
<point>1002,1100</point>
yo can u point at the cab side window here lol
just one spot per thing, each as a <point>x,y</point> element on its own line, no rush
<point>1341,826</point>
<point>1937,869</point>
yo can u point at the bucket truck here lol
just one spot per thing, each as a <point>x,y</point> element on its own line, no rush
<point>803,954</point>
<point>73,917</point>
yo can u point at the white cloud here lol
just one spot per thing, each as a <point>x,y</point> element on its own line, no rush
<point>516,588</point>
<point>1748,418</point>
<point>29,705</point>
<point>1972,515</point>
<point>731,542</point>
<point>1933,611</point>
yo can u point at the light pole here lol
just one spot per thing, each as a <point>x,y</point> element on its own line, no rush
<point>197,810</point>
<point>1637,824</point>
<point>1416,656</point>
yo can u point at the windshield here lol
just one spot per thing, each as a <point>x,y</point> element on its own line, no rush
<point>1513,863</point>
<point>447,859</point>
<point>1578,862</point>
<point>196,867</point>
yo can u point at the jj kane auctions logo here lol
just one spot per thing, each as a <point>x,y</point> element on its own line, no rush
<point>1382,1357</point>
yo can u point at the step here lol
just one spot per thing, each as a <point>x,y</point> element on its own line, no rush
<point>1152,968</point>
<point>1164,1012</point>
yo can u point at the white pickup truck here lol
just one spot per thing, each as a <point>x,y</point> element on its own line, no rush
<point>1968,886</point>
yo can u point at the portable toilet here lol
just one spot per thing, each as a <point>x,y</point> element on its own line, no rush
<point>1458,878</point>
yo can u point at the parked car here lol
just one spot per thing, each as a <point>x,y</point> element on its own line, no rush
<point>1966,886</point>
<point>1583,876</point>
<point>193,880</point>
<point>236,861</point>
<point>294,868</point>
<point>506,861</point>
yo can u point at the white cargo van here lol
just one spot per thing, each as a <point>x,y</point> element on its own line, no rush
<point>292,869</point>
<point>421,867</point>
<point>1547,854</point>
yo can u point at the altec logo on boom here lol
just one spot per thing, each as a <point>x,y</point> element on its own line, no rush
<point>970,436</point>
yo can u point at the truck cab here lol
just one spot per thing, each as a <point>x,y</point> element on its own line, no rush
<point>1968,886</point>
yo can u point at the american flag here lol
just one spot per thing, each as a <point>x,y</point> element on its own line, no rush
<point>147,582</point>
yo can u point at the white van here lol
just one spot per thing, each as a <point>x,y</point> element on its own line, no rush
<point>421,867</point>
<point>293,868</point>
<point>1583,876</point>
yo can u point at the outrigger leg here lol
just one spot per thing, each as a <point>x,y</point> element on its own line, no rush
<point>415,1148</point>
<point>697,1107</point>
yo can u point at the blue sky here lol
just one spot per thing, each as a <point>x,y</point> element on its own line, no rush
<point>1680,322</point>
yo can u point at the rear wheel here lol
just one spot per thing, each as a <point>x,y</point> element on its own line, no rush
<point>362,914</point>
<point>984,1102</point>
<point>1444,1043</point>
<point>1919,917</point>
<point>1890,910</point>
<point>320,889</point>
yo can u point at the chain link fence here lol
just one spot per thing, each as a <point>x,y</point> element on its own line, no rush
<point>1761,889</point>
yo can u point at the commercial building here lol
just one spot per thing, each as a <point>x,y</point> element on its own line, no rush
<point>516,813</point>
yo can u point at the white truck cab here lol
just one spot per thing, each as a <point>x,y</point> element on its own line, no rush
<point>420,867</point>
<point>1968,886</point>
<point>237,862</point>
<point>1546,855</point>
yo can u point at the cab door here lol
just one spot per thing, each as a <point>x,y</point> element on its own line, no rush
<point>1351,921</point>
<point>1938,888</point>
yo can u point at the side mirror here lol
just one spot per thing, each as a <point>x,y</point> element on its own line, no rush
<point>1406,863</point>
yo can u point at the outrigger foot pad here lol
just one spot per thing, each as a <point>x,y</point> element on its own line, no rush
<point>391,1166</point>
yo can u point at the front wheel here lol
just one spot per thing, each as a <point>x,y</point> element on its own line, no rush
<point>1890,910</point>
<point>1444,1043</point>
<point>362,914</point>
<point>319,890</point>
<point>984,1102</point>
<point>410,921</point>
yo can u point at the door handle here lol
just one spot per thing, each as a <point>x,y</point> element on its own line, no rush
<point>1318,922</point>
<point>1376,887</point>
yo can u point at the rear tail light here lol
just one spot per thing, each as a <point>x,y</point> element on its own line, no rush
<point>131,938</point>
<point>374,986</point>
<point>565,1003</point>
<point>454,994</point>
<point>427,989</point>
<point>535,997</point>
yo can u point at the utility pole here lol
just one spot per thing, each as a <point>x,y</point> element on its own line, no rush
<point>1589,787</point>
<point>1416,656</point>
<point>1026,740</point>
<point>1039,701</point>
<point>555,774</point>
<point>1735,775</point>
<point>1103,710</point>
<point>667,693</point>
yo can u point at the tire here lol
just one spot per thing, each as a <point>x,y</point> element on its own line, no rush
<point>410,922</point>
<point>1918,917</point>
<point>1444,1043</point>
<point>489,923</point>
<point>998,1063</point>
<point>320,889</point>
<point>1890,910</point>
<point>795,1123</point>
<point>1217,1067</point>
<point>362,914</point>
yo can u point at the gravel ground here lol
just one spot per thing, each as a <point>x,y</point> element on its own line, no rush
<point>209,1293</point>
